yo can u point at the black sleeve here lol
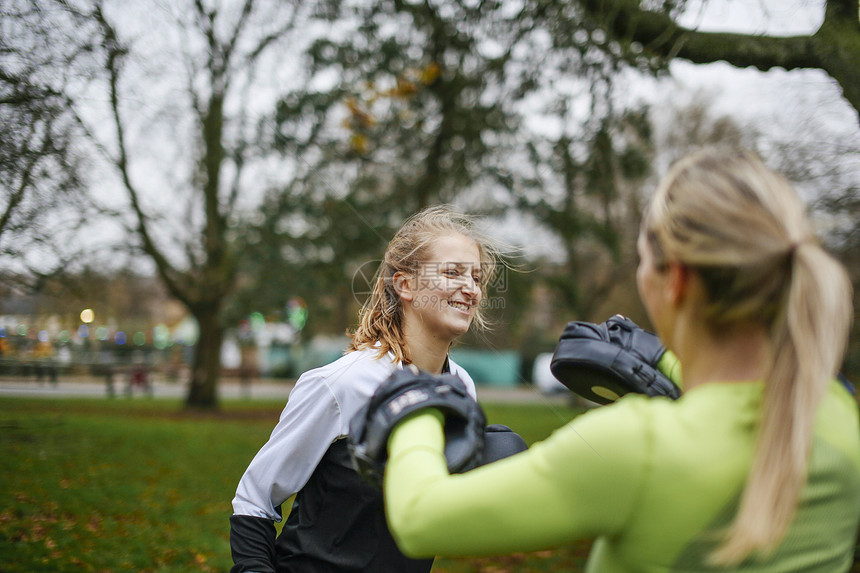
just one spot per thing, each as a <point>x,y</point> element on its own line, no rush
<point>252,543</point>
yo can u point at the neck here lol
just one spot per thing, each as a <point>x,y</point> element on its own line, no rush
<point>737,354</point>
<point>428,353</point>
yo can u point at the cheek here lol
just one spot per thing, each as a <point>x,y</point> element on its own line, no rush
<point>646,282</point>
<point>640,281</point>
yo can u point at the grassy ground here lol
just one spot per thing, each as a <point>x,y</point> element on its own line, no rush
<point>139,485</point>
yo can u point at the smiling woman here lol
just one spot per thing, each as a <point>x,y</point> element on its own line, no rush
<point>426,293</point>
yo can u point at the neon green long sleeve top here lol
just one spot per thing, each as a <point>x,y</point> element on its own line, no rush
<point>651,479</point>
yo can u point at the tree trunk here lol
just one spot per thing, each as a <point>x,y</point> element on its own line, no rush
<point>206,366</point>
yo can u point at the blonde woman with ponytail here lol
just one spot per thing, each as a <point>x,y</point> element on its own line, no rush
<point>765,303</point>
<point>756,467</point>
<point>427,292</point>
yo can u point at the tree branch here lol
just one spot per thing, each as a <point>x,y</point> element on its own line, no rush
<point>274,36</point>
<point>17,195</point>
<point>247,8</point>
<point>115,53</point>
<point>834,48</point>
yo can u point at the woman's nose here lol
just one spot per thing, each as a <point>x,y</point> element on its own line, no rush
<point>470,286</point>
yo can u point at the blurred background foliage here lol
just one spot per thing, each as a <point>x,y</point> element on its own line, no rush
<point>226,158</point>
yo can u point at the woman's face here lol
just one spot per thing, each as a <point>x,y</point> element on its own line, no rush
<point>446,290</point>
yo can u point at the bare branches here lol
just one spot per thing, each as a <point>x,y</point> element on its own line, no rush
<point>834,48</point>
<point>115,52</point>
<point>39,164</point>
<point>238,29</point>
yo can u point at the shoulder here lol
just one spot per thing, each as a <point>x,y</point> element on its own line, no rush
<point>352,378</point>
<point>357,367</point>
<point>837,420</point>
<point>346,384</point>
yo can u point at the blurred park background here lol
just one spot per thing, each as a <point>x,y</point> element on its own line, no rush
<point>197,193</point>
<point>199,188</point>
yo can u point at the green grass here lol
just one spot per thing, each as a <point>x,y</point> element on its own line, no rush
<point>138,485</point>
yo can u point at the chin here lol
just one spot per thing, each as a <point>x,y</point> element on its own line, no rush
<point>460,330</point>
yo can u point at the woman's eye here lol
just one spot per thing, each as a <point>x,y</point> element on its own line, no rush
<point>450,273</point>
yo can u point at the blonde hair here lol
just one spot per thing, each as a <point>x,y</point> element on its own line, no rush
<point>745,231</point>
<point>381,317</point>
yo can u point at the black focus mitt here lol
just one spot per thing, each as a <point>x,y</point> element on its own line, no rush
<point>602,362</point>
<point>406,391</point>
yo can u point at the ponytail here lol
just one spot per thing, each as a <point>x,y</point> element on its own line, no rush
<point>809,342</point>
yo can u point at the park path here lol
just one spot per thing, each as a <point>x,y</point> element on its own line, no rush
<point>87,387</point>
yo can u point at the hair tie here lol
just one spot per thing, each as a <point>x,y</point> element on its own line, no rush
<point>795,245</point>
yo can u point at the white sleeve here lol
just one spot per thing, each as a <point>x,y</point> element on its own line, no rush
<point>308,425</point>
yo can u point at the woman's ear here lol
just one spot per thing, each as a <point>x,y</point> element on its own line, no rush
<point>402,283</point>
<point>678,283</point>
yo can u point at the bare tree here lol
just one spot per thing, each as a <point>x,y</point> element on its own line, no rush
<point>191,92</point>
